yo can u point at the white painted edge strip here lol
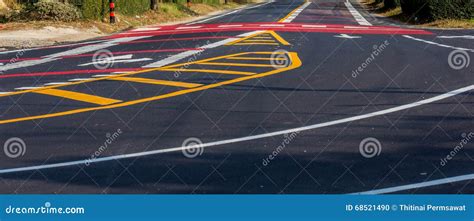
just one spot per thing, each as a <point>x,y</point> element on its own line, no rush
<point>80,79</point>
<point>248,138</point>
<point>272,25</point>
<point>185,54</point>
<point>188,27</point>
<point>27,88</point>
<point>438,44</point>
<point>357,16</point>
<point>103,75</point>
<point>229,26</point>
<point>453,37</point>
<point>356,27</point>
<point>55,83</point>
<point>296,13</point>
<point>314,26</point>
<point>418,185</point>
<point>145,29</point>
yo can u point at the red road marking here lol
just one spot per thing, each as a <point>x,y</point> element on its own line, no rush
<point>288,27</point>
<point>114,53</point>
<point>93,71</point>
<point>175,39</point>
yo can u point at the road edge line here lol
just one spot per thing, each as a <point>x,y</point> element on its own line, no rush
<point>248,138</point>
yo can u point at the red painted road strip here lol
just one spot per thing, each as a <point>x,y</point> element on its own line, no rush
<point>175,39</point>
<point>93,71</point>
<point>114,53</point>
<point>286,27</point>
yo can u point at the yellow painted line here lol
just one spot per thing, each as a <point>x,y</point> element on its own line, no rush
<point>249,40</point>
<point>295,63</point>
<point>119,75</point>
<point>93,99</point>
<point>256,44</point>
<point>237,64</point>
<point>257,41</point>
<point>213,71</point>
<point>256,58</point>
<point>279,38</point>
<point>262,37</point>
<point>158,82</point>
<point>289,14</point>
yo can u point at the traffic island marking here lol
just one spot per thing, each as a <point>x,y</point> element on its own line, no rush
<point>262,70</point>
<point>261,38</point>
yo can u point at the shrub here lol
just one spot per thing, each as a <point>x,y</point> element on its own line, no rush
<point>439,9</point>
<point>391,3</point>
<point>98,9</point>
<point>49,10</point>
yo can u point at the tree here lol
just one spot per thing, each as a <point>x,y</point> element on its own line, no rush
<point>154,4</point>
<point>390,3</point>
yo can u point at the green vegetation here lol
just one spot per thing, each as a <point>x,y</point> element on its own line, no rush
<point>431,10</point>
<point>47,10</point>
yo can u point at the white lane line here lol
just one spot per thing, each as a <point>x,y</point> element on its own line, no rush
<point>188,27</point>
<point>314,26</point>
<point>5,92</point>
<point>229,26</point>
<point>103,75</point>
<point>80,79</point>
<point>145,29</point>
<point>296,13</point>
<point>228,13</point>
<point>27,88</point>
<point>174,58</point>
<point>438,44</point>
<point>356,27</point>
<point>48,47</point>
<point>419,185</point>
<point>272,25</point>
<point>248,138</point>
<point>75,51</point>
<point>462,36</point>
<point>357,16</point>
<point>55,83</point>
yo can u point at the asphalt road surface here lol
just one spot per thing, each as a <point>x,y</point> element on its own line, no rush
<point>280,97</point>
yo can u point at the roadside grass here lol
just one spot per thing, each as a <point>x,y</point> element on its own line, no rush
<point>397,15</point>
<point>166,13</point>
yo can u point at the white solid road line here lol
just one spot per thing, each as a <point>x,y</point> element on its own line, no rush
<point>358,17</point>
<point>438,44</point>
<point>27,88</point>
<point>188,27</point>
<point>177,57</point>
<point>145,29</point>
<point>419,185</point>
<point>55,83</point>
<point>462,37</point>
<point>248,138</point>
